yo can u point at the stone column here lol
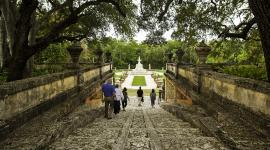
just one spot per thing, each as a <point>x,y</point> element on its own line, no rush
<point>169,56</point>
<point>179,53</point>
<point>149,67</point>
<point>108,57</point>
<point>75,52</point>
<point>99,54</point>
<point>202,51</point>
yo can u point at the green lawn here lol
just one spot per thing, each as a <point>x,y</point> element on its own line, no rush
<point>138,81</point>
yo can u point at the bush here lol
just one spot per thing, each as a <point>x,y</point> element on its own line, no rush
<point>247,71</point>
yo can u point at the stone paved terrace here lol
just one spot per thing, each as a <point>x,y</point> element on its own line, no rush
<point>138,128</point>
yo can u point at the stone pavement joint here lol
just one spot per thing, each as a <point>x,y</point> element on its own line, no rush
<point>153,135</point>
<point>121,141</point>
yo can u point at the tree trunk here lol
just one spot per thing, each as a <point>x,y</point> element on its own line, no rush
<point>16,68</point>
<point>260,9</point>
<point>28,70</point>
<point>1,44</point>
<point>4,50</point>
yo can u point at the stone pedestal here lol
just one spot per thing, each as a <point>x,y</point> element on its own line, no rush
<point>202,51</point>
<point>179,53</point>
<point>108,57</point>
<point>169,56</point>
<point>75,52</point>
<point>99,54</point>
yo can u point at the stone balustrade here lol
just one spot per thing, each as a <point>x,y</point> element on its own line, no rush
<point>24,99</point>
<point>246,97</point>
<point>171,67</point>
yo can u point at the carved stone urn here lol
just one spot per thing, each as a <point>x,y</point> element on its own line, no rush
<point>202,51</point>
<point>75,52</point>
<point>179,53</point>
<point>108,57</point>
<point>169,56</point>
<point>99,54</point>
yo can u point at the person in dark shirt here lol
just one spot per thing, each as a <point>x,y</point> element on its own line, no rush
<point>153,97</point>
<point>109,92</point>
<point>124,101</point>
<point>140,96</point>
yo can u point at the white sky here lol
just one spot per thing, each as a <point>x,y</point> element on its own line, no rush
<point>141,35</point>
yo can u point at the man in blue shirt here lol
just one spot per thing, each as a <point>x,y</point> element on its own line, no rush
<point>109,92</point>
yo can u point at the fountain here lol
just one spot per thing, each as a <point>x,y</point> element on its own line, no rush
<point>139,71</point>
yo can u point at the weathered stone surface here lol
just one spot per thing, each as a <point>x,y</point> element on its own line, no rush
<point>20,101</point>
<point>234,133</point>
<point>243,98</point>
<point>43,130</point>
<point>138,128</point>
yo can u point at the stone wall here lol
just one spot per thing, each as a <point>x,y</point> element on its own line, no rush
<point>176,94</point>
<point>170,94</point>
<point>24,99</point>
<point>248,98</point>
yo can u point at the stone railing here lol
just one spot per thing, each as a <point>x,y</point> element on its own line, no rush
<point>242,95</point>
<point>171,68</point>
<point>22,100</point>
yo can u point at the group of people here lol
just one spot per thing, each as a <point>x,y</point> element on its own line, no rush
<point>113,96</point>
<point>141,99</point>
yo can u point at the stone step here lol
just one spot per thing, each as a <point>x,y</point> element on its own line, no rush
<point>40,132</point>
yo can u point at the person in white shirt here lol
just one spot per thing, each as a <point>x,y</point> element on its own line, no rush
<point>118,97</point>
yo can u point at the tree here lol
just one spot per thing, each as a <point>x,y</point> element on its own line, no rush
<point>53,21</point>
<point>4,53</point>
<point>155,38</point>
<point>260,9</point>
<point>201,18</point>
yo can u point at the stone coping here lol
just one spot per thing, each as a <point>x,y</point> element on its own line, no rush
<point>247,83</point>
<point>28,83</point>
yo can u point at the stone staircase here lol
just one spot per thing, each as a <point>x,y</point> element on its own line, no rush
<point>138,128</point>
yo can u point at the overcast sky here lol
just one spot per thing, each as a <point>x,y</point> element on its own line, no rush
<point>141,35</point>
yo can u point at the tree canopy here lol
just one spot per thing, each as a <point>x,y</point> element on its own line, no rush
<point>30,26</point>
<point>202,19</point>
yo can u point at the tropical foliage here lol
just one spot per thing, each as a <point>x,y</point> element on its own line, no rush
<point>30,27</point>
